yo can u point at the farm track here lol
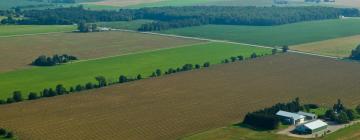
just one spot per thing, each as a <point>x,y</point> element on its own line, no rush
<point>173,106</point>
<point>230,42</point>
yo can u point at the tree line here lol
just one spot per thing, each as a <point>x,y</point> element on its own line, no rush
<point>101,82</point>
<point>178,17</point>
<point>54,60</point>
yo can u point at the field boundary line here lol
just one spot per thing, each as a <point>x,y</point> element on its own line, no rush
<point>141,52</point>
<point>226,41</point>
<point>47,33</point>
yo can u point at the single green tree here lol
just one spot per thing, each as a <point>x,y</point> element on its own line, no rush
<point>123,79</point>
<point>158,72</point>
<point>101,80</point>
<point>355,54</point>
<point>60,89</point>
<point>285,48</point>
<point>206,64</point>
<point>33,96</point>
<point>139,77</point>
<point>17,96</point>
<point>253,55</point>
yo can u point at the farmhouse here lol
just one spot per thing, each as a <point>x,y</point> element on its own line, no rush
<point>311,127</point>
<point>308,116</point>
<point>292,118</point>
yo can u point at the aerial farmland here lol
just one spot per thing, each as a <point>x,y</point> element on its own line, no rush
<point>179,69</point>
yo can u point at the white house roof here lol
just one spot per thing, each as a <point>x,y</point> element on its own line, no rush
<point>306,114</point>
<point>290,115</point>
<point>315,124</point>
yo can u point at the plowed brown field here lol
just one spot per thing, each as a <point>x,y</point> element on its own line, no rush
<point>173,106</point>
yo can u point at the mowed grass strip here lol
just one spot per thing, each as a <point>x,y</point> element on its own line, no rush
<point>183,104</point>
<point>18,30</point>
<point>290,34</point>
<point>18,52</point>
<point>339,47</point>
<point>38,78</point>
<point>237,133</point>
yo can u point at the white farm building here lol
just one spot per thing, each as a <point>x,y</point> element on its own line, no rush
<point>292,118</point>
<point>312,127</point>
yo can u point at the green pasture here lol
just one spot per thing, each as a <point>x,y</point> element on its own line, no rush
<point>128,25</point>
<point>289,34</point>
<point>11,30</point>
<point>37,78</point>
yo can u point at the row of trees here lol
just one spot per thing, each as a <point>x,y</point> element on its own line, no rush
<point>6,134</point>
<point>340,114</point>
<point>102,82</point>
<point>54,60</point>
<point>266,118</point>
<point>178,17</point>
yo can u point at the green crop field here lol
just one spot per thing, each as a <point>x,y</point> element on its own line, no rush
<point>11,30</point>
<point>289,34</point>
<point>128,25</point>
<point>38,78</point>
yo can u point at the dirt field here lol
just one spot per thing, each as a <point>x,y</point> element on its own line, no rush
<point>340,47</point>
<point>122,3</point>
<point>19,52</point>
<point>174,106</point>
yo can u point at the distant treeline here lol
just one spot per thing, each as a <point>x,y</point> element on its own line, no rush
<point>177,17</point>
<point>54,60</point>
